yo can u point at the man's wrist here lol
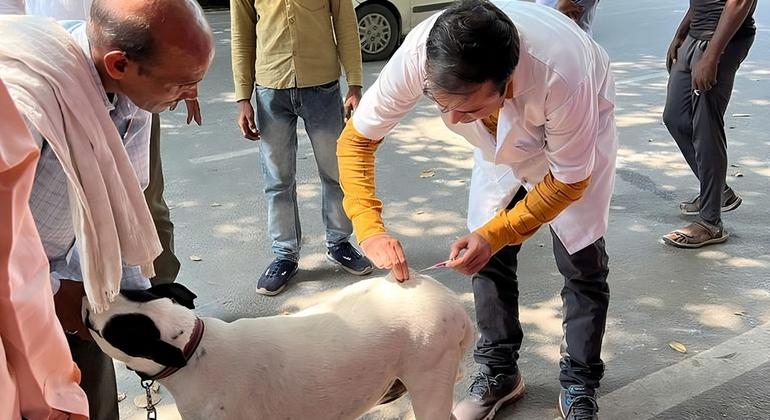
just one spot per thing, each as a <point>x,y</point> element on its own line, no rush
<point>711,56</point>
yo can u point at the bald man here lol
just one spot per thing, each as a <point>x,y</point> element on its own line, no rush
<point>144,56</point>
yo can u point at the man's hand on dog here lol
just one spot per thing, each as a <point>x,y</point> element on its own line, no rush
<point>69,302</point>
<point>385,251</point>
<point>469,254</point>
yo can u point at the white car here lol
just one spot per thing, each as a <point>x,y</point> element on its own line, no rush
<point>383,23</point>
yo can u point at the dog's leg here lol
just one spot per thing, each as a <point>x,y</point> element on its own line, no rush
<point>432,391</point>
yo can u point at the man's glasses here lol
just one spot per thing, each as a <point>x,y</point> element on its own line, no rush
<point>428,92</point>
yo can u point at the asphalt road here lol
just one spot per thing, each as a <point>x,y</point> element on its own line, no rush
<point>715,301</point>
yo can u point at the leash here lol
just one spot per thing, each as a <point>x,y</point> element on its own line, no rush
<point>150,407</point>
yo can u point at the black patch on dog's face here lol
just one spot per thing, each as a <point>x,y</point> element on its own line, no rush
<point>136,335</point>
<point>174,291</point>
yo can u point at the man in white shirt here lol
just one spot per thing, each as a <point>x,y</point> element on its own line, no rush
<point>535,96</point>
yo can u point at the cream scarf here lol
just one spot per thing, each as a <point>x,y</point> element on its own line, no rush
<point>49,79</point>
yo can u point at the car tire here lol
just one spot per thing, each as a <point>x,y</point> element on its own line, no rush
<point>378,30</point>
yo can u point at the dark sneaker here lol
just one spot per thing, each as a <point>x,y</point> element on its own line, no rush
<point>349,259</point>
<point>730,201</point>
<point>276,277</point>
<point>487,394</point>
<point>578,403</point>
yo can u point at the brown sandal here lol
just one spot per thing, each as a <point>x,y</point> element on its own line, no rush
<point>696,235</point>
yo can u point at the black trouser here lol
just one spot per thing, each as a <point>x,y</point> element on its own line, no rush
<point>697,121</point>
<point>585,298</point>
<point>166,264</point>
<point>97,378</point>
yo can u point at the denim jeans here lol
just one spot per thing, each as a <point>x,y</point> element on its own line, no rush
<point>320,107</point>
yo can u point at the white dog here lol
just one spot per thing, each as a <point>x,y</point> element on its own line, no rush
<point>334,360</point>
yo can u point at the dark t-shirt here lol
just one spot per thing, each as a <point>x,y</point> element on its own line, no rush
<point>705,17</point>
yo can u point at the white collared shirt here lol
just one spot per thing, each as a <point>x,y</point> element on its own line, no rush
<point>560,118</point>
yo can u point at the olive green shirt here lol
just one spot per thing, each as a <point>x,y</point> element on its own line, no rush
<point>293,43</point>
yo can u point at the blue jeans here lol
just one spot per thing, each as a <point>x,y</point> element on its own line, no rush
<point>320,107</point>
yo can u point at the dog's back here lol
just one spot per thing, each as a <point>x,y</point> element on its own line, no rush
<point>334,360</point>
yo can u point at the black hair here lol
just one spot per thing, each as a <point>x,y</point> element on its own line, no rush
<point>471,43</point>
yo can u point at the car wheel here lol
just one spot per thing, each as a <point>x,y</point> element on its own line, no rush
<point>378,31</point>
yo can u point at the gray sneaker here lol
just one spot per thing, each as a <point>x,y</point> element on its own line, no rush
<point>488,394</point>
<point>730,201</point>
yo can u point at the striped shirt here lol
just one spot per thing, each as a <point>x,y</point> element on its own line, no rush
<point>49,200</point>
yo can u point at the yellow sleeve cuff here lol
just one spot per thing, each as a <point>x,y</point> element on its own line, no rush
<point>355,157</point>
<point>541,205</point>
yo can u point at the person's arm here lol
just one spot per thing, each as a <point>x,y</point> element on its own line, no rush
<point>511,227</point>
<point>393,94</point>
<point>542,204</point>
<point>243,46</point>
<point>704,73</point>
<point>679,37</point>
<point>348,42</point>
<point>243,52</point>
<point>348,50</point>
<point>44,376</point>
<point>355,157</point>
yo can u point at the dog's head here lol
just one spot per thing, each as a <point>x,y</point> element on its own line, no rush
<point>145,329</point>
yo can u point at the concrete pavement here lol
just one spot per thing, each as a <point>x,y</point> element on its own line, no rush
<point>716,301</point>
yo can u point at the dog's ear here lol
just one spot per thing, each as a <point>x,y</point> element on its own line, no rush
<point>138,295</point>
<point>136,335</point>
<point>176,292</point>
